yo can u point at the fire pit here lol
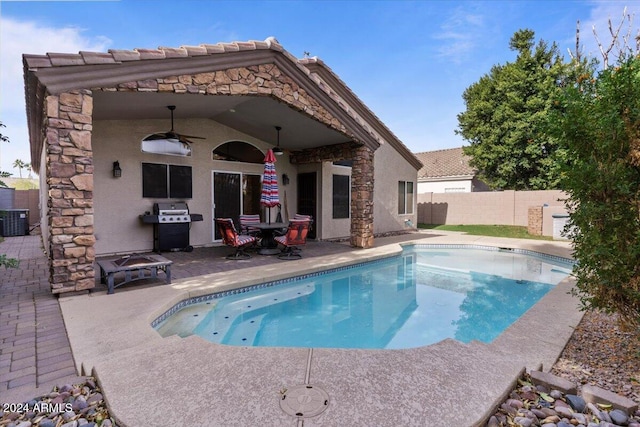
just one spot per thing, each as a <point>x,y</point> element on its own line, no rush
<point>133,267</point>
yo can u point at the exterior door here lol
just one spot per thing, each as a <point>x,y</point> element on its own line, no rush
<point>307,199</point>
<point>226,198</point>
<point>235,193</point>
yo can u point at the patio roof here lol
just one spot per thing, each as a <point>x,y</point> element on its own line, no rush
<point>55,73</point>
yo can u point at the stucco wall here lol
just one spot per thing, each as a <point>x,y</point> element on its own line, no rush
<point>390,167</point>
<point>461,186</point>
<point>118,201</point>
<point>497,207</point>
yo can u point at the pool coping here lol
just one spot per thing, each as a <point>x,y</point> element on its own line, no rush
<point>448,383</point>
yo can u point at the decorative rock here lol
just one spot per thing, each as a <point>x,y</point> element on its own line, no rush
<point>619,417</point>
<point>538,413</point>
<point>514,403</point>
<point>47,423</point>
<point>68,415</point>
<point>564,412</point>
<point>523,422</point>
<point>552,382</point>
<point>563,424</point>
<point>556,394</point>
<point>80,403</point>
<point>580,418</point>
<point>577,403</point>
<point>598,395</point>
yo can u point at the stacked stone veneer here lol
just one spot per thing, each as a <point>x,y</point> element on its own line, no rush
<point>68,125</point>
<point>69,175</point>
<point>534,226</point>
<point>256,80</point>
<point>362,180</point>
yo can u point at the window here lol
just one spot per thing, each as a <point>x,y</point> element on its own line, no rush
<point>238,151</point>
<point>160,181</point>
<point>341,192</point>
<point>405,197</point>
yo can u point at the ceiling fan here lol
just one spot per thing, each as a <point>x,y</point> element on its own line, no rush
<point>172,134</point>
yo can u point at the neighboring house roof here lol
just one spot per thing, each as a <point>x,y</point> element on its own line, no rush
<point>440,164</point>
<point>55,73</point>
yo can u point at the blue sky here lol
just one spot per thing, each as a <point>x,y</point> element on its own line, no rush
<point>408,61</point>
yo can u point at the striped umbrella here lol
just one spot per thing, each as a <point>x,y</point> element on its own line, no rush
<point>269,196</point>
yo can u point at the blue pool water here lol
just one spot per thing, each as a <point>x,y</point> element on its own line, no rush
<point>418,298</point>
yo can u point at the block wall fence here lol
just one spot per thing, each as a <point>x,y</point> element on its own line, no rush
<point>492,207</point>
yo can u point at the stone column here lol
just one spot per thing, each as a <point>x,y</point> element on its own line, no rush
<point>534,225</point>
<point>362,198</point>
<point>69,175</point>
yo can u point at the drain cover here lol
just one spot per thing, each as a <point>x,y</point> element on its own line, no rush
<point>304,401</point>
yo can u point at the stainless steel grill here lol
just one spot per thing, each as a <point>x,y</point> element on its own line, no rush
<point>171,224</point>
<point>172,212</point>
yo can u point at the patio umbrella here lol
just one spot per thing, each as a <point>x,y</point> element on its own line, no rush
<point>269,196</point>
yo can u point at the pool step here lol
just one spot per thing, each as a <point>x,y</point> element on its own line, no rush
<point>245,332</point>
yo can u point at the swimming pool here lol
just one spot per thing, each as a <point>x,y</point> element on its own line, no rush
<point>420,297</point>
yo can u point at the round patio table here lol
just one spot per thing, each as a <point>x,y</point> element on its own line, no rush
<point>268,245</point>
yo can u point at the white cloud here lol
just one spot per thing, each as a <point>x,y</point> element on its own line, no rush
<point>460,35</point>
<point>17,38</point>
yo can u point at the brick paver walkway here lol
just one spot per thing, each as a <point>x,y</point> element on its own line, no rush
<point>34,349</point>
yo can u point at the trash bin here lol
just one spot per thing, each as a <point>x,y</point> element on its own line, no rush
<point>15,222</point>
<point>560,222</point>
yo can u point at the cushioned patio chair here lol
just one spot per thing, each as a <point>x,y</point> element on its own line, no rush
<point>230,237</point>
<point>296,236</point>
<point>247,225</point>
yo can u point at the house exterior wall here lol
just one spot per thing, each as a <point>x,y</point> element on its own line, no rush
<point>118,201</point>
<point>449,186</point>
<point>391,167</point>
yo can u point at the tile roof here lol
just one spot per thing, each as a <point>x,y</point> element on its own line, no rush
<point>116,56</point>
<point>314,69</point>
<point>444,163</point>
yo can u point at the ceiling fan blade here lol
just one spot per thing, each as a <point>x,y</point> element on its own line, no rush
<point>171,134</point>
<point>159,135</point>
<point>190,136</point>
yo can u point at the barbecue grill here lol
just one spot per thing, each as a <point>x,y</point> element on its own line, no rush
<point>171,224</point>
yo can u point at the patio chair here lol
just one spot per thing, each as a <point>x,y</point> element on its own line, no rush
<point>230,237</point>
<point>296,236</point>
<point>247,223</point>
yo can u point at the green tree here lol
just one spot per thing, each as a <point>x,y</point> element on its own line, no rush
<point>20,165</point>
<point>598,121</point>
<point>506,116</point>
<point>3,138</point>
<point>4,261</point>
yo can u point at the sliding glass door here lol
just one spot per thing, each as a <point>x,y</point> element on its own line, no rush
<point>234,194</point>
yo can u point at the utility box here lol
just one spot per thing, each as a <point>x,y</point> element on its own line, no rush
<point>15,222</point>
<point>560,222</point>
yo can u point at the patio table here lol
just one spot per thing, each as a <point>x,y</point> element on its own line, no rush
<point>268,245</point>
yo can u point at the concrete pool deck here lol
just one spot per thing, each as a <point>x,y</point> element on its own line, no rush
<point>150,380</point>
